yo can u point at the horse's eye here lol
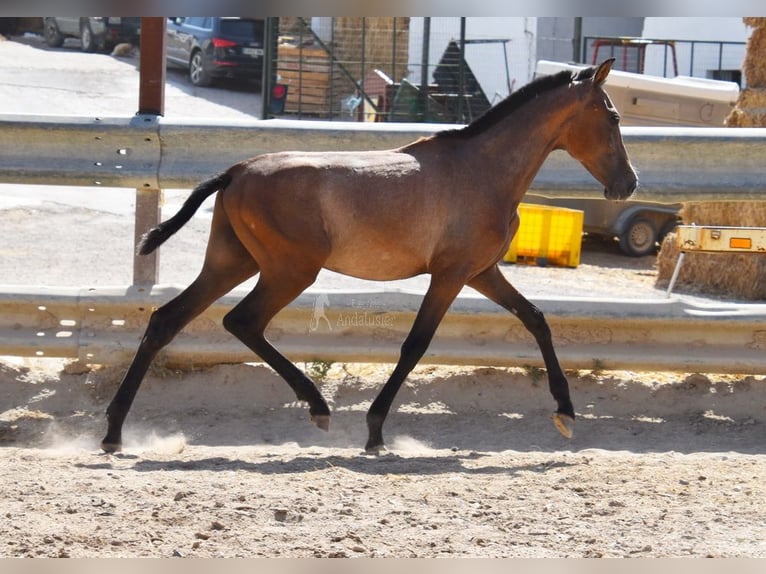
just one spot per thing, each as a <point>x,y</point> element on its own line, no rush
<point>616,118</point>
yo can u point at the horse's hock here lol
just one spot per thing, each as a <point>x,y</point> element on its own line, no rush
<point>733,274</point>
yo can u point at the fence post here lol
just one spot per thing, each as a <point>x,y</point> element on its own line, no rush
<point>270,54</point>
<point>148,214</point>
<point>151,101</point>
<point>423,94</point>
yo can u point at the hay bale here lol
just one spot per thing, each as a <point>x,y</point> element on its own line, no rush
<point>741,275</point>
<point>752,98</point>
<point>737,275</point>
<point>753,22</point>
<point>738,118</point>
<point>754,65</point>
<point>750,111</point>
<point>724,213</point>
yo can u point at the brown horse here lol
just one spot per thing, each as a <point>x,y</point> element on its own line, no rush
<point>444,205</point>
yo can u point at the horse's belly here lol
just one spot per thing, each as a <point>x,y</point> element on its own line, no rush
<point>375,264</point>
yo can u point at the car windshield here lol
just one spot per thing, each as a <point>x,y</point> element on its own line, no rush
<point>242,28</point>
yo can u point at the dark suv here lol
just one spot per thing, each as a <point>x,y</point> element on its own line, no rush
<point>216,48</point>
<point>96,33</point>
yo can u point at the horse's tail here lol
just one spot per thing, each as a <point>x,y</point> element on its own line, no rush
<point>156,236</point>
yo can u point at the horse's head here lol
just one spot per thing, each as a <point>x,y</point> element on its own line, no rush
<point>593,135</point>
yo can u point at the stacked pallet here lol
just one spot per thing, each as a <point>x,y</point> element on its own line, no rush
<point>308,72</point>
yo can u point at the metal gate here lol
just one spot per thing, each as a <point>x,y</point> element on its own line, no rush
<point>360,69</point>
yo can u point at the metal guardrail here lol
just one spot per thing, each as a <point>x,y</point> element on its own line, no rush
<point>104,326</point>
<point>675,164</point>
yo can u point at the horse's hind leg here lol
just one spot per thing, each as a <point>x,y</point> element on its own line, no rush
<point>226,265</point>
<point>437,300</point>
<point>492,284</point>
<point>249,319</point>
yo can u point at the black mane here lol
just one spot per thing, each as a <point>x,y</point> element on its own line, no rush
<point>514,101</point>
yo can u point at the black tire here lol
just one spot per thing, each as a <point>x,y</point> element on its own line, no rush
<point>197,73</point>
<point>669,227</point>
<point>53,37</point>
<point>88,39</point>
<point>639,238</point>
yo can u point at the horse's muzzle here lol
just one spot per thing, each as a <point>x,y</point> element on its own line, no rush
<point>623,191</point>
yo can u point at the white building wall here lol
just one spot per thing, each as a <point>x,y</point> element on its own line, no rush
<point>696,28</point>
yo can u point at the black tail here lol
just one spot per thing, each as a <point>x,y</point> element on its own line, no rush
<point>156,236</point>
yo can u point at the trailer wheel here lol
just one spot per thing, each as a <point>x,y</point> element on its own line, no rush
<point>639,238</point>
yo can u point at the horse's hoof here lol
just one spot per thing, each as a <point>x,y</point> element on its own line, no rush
<point>111,447</point>
<point>375,449</point>
<point>322,421</point>
<point>564,424</point>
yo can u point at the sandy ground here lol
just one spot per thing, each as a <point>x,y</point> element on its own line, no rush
<point>224,463</point>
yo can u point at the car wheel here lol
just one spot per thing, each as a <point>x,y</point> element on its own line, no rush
<point>87,38</point>
<point>639,238</point>
<point>53,37</point>
<point>197,73</point>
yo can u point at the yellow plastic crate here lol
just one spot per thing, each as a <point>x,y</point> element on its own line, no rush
<point>547,236</point>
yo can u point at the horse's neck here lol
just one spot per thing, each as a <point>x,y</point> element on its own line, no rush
<point>516,147</point>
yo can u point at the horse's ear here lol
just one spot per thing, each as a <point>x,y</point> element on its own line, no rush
<point>603,71</point>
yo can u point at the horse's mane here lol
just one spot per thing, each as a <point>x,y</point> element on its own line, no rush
<point>514,101</point>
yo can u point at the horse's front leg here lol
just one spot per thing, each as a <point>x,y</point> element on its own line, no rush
<point>492,284</point>
<point>437,300</point>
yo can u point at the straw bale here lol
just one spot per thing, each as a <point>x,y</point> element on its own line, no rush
<point>738,118</point>
<point>754,65</point>
<point>724,213</point>
<point>734,275</point>
<point>737,275</point>
<point>752,98</point>
<point>746,118</point>
<point>754,22</point>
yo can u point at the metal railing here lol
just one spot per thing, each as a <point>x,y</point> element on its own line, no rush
<point>703,59</point>
<point>675,164</point>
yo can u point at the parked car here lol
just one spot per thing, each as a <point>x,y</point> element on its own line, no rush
<point>97,33</point>
<point>213,48</point>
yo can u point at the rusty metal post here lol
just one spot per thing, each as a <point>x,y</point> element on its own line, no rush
<point>151,96</point>
<point>151,101</point>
